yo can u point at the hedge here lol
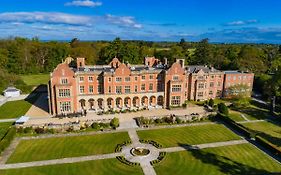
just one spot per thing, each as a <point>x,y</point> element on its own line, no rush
<point>118,148</point>
<point>159,158</point>
<point>7,139</point>
<point>271,147</point>
<point>127,162</point>
<point>155,144</point>
<point>242,129</point>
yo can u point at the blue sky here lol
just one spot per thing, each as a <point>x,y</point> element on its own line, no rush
<point>250,21</point>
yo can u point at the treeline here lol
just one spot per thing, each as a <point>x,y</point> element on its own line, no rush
<point>31,56</point>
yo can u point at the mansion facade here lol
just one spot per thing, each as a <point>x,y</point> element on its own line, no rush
<point>119,86</point>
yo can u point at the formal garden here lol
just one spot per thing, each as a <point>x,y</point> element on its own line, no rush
<point>97,167</point>
<point>66,146</point>
<point>234,159</point>
<point>190,135</point>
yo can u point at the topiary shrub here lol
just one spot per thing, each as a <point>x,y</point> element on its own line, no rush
<point>223,109</point>
<point>114,123</point>
<point>211,102</point>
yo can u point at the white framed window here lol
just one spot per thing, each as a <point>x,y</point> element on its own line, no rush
<point>136,88</point>
<point>201,86</point>
<point>211,84</point>
<point>64,81</point>
<point>176,88</point>
<point>81,79</point>
<point>90,79</point>
<point>200,94</point>
<point>150,86</point>
<point>118,89</point>
<point>91,89</point>
<point>143,77</point>
<point>127,89</point>
<point>64,92</point>
<point>136,78</point>
<point>109,79</point>
<point>82,89</point>
<point>143,87</point>
<point>211,93</point>
<point>118,79</point>
<point>176,100</point>
<point>127,79</point>
<point>151,77</point>
<point>65,106</point>
<point>175,78</point>
<point>109,89</point>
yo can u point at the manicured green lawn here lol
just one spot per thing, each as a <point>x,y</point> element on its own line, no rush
<point>36,79</point>
<point>269,131</point>
<point>235,159</point>
<point>171,137</point>
<point>61,147</point>
<point>236,116</point>
<point>14,109</point>
<point>4,128</point>
<point>97,167</point>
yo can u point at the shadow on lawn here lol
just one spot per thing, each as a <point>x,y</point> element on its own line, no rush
<point>39,97</point>
<point>224,164</point>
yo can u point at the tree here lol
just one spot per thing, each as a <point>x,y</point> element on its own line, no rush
<point>211,102</point>
<point>114,122</point>
<point>203,53</point>
<point>223,109</point>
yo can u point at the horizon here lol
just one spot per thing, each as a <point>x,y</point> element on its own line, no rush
<point>236,22</point>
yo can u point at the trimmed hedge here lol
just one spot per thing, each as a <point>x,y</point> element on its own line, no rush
<point>251,134</point>
<point>271,147</point>
<point>127,162</point>
<point>159,158</point>
<point>155,144</point>
<point>118,148</point>
<point>7,139</point>
<point>242,129</point>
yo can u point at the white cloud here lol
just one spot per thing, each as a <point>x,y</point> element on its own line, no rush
<point>85,3</point>
<point>241,22</point>
<point>45,17</point>
<point>123,21</point>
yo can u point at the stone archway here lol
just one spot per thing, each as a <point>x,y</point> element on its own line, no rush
<point>152,101</point>
<point>144,101</point>
<point>136,101</point>
<point>127,102</point>
<point>110,102</point>
<point>118,102</point>
<point>100,103</point>
<point>160,100</point>
<point>91,104</point>
<point>82,103</point>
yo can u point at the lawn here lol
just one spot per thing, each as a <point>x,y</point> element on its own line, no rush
<point>4,128</point>
<point>14,109</point>
<point>70,146</point>
<point>97,167</point>
<point>36,80</point>
<point>171,137</point>
<point>236,116</point>
<point>269,131</point>
<point>235,159</point>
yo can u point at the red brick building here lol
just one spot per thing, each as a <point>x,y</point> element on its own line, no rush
<point>120,86</point>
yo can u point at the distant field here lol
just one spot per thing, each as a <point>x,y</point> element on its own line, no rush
<point>36,80</point>
<point>97,167</point>
<point>269,131</point>
<point>4,128</point>
<point>236,159</point>
<point>189,135</point>
<point>61,147</point>
<point>14,109</point>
